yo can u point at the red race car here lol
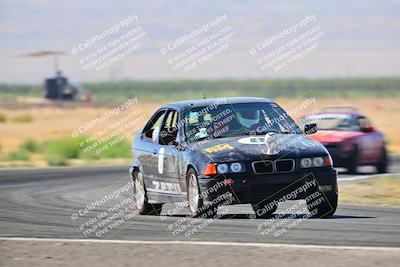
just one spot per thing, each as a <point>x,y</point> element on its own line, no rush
<point>350,138</point>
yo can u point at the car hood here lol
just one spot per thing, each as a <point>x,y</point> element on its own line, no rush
<point>253,148</point>
<point>332,136</point>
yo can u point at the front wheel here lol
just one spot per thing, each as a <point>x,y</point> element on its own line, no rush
<point>323,205</point>
<point>353,161</point>
<point>140,201</point>
<point>196,205</point>
<point>381,166</point>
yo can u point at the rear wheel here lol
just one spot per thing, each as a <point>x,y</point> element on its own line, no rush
<point>381,167</point>
<point>264,209</point>
<point>196,205</point>
<point>140,201</point>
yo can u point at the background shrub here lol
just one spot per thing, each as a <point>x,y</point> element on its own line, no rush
<point>3,117</point>
<point>66,147</point>
<point>23,118</point>
<point>20,155</point>
<point>30,145</point>
<point>56,160</point>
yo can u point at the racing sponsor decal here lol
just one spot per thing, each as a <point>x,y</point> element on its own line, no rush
<point>252,140</point>
<point>166,188</point>
<point>218,148</point>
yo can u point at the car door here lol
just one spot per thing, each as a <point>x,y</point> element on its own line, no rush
<point>167,177</point>
<point>150,147</point>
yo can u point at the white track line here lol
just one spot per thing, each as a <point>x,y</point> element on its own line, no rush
<point>363,177</point>
<point>237,244</point>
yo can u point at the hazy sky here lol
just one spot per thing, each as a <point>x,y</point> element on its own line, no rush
<point>360,38</point>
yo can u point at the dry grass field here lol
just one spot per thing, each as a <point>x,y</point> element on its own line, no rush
<point>386,190</point>
<point>51,121</point>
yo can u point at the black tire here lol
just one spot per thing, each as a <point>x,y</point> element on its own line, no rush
<point>382,165</point>
<point>324,205</point>
<point>140,200</point>
<point>353,161</point>
<point>264,209</point>
<point>196,205</point>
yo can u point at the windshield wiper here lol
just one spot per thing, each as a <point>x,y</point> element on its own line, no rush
<point>200,138</point>
<point>266,132</point>
<point>285,132</point>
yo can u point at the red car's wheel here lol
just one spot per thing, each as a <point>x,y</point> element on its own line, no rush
<point>382,165</point>
<point>353,162</point>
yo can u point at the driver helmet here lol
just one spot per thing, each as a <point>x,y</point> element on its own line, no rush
<point>249,117</point>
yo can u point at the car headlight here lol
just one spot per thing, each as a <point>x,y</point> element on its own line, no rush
<point>222,168</point>
<point>316,162</point>
<point>306,163</point>
<point>236,167</point>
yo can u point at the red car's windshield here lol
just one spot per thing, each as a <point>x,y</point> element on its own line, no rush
<point>341,122</point>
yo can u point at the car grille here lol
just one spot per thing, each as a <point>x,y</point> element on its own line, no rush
<point>263,166</point>
<point>284,165</point>
<point>278,166</point>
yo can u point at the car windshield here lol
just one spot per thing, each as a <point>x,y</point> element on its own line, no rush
<point>237,119</point>
<point>341,122</point>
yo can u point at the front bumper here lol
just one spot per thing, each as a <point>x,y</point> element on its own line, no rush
<point>253,188</point>
<point>340,158</point>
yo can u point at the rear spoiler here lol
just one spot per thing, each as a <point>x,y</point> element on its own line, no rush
<point>340,109</point>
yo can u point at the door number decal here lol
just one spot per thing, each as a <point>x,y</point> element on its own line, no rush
<point>166,188</point>
<point>161,160</point>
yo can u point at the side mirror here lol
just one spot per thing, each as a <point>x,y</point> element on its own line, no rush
<point>368,129</point>
<point>310,128</point>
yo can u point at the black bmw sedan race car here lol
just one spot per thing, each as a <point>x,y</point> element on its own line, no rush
<point>248,149</point>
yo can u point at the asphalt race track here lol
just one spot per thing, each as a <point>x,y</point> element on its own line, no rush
<point>40,202</point>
